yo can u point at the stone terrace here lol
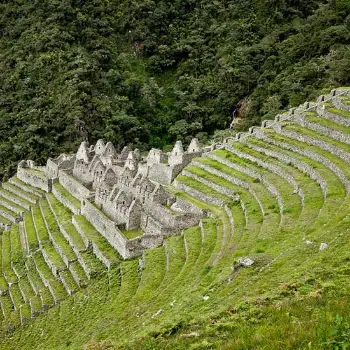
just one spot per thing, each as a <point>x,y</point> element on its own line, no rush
<point>82,215</point>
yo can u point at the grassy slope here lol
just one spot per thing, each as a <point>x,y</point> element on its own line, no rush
<point>186,295</point>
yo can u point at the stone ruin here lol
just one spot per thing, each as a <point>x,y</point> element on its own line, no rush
<point>122,191</point>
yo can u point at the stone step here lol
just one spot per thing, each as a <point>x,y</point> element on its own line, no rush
<point>20,193</point>
<point>26,187</point>
<point>68,282</point>
<point>38,287</point>
<point>19,210</point>
<point>9,214</point>
<point>15,199</point>
<point>50,281</point>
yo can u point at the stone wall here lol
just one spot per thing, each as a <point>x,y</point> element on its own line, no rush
<point>321,110</point>
<point>73,186</point>
<point>338,102</point>
<point>164,173</point>
<point>65,201</point>
<point>329,132</point>
<point>188,207</point>
<point>316,142</point>
<point>109,230</point>
<point>32,178</point>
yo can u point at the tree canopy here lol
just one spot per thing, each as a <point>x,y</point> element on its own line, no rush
<point>146,73</point>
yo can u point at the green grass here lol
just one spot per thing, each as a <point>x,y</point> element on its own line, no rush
<point>16,296</point>
<point>340,112</point>
<point>40,224</point>
<point>317,136</point>
<point>55,232</point>
<point>26,311</point>
<point>30,231</point>
<point>8,211</point>
<point>131,234</point>
<point>69,280</point>
<point>26,288</point>
<point>16,246</point>
<point>56,285</point>
<point>5,221</point>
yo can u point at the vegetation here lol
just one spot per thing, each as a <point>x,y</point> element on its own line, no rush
<point>149,72</point>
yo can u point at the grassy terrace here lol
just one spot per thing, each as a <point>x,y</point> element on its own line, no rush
<point>8,211</point>
<point>328,124</point>
<point>30,231</point>
<point>254,213</point>
<point>55,232</point>
<point>94,236</point>
<point>74,201</point>
<point>314,198</point>
<point>4,220</point>
<point>6,202</point>
<point>335,188</point>
<point>292,204</point>
<point>340,112</point>
<point>16,296</point>
<point>64,218</point>
<point>19,183</point>
<point>20,192</point>
<point>39,222</point>
<point>191,292</point>
<point>208,191</point>
<point>43,291</point>
<point>44,270</point>
<point>14,198</point>
<point>317,136</point>
<point>26,289</point>
<point>269,203</point>
<point>78,271</point>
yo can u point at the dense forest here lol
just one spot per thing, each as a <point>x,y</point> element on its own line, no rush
<point>146,72</point>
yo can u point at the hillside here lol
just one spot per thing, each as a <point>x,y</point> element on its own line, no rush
<point>147,73</point>
<point>277,195</point>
